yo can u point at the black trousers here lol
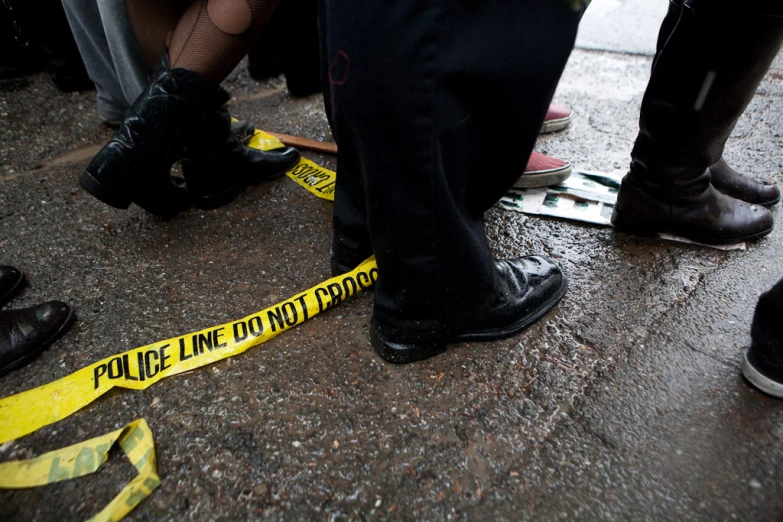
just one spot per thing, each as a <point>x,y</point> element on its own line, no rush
<point>435,107</point>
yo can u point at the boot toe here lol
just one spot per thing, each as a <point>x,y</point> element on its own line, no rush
<point>276,160</point>
<point>541,277</point>
<point>528,288</point>
<point>743,221</point>
<point>770,195</point>
<point>11,281</point>
<point>27,332</point>
<point>51,316</point>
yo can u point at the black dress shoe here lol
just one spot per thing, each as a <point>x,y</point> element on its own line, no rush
<point>763,364</point>
<point>528,287</point>
<point>27,332</point>
<point>734,184</point>
<point>11,281</point>
<point>218,166</point>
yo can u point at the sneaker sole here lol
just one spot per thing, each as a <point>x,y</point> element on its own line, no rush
<point>760,381</point>
<point>544,178</point>
<point>556,125</point>
<point>22,361</point>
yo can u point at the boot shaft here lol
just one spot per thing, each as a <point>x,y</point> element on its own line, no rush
<point>174,102</point>
<point>709,62</point>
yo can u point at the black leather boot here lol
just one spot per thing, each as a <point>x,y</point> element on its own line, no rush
<point>737,185</point>
<point>527,288</point>
<point>763,364</point>
<point>27,332</point>
<point>11,281</point>
<point>134,167</point>
<point>217,166</point>
<point>699,87</point>
<point>723,177</point>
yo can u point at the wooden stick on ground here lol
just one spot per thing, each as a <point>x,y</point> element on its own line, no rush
<point>306,143</point>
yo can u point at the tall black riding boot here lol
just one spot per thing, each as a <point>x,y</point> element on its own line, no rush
<point>723,177</point>
<point>134,167</point>
<point>218,166</point>
<point>700,85</point>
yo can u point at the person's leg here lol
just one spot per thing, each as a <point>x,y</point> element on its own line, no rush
<point>130,67</point>
<point>699,87</point>
<point>182,108</point>
<point>153,22</point>
<point>61,54</point>
<point>85,20</point>
<point>763,364</point>
<point>723,177</point>
<point>413,103</point>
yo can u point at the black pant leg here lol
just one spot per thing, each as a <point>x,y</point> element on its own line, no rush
<point>430,102</point>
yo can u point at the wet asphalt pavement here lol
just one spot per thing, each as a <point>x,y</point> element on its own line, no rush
<point>625,402</point>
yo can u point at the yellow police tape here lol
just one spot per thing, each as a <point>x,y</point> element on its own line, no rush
<point>140,368</point>
<point>313,177</point>
<point>87,457</point>
<point>28,411</point>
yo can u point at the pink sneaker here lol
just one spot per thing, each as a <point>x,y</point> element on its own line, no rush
<point>557,118</point>
<point>543,171</point>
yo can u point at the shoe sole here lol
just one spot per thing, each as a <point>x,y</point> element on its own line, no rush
<point>555,125</point>
<point>110,197</point>
<point>768,204</point>
<point>634,229</point>
<point>544,178</point>
<point>13,290</point>
<point>101,192</point>
<point>404,355</point>
<point>46,344</point>
<point>229,194</point>
<point>760,381</point>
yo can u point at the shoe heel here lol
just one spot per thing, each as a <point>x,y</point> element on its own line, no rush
<point>88,182</point>
<point>622,222</point>
<point>218,199</point>
<point>404,353</point>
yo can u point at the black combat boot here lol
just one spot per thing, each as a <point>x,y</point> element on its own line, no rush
<point>134,167</point>
<point>218,166</point>
<point>699,87</point>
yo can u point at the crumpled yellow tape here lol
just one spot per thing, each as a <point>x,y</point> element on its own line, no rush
<point>140,368</point>
<point>263,141</point>
<point>313,177</point>
<point>87,457</point>
<point>26,412</point>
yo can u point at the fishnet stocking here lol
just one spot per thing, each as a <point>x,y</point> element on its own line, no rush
<point>197,43</point>
<point>153,22</point>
